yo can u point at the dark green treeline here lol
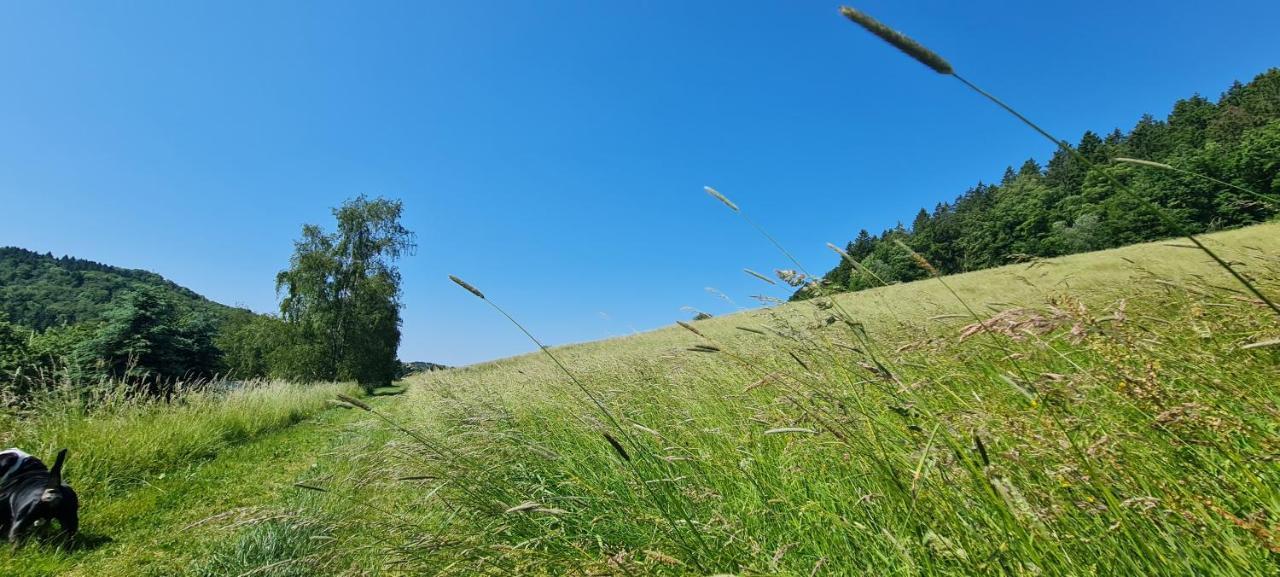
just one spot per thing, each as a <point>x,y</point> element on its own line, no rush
<point>1064,207</point>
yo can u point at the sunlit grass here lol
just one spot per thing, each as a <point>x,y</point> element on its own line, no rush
<point>1111,423</point>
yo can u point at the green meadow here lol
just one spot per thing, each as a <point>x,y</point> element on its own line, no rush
<point>1108,413</point>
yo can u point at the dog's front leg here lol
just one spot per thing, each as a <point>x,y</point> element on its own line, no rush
<point>19,527</point>
<point>69,519</point>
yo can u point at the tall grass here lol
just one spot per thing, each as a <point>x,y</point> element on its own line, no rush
<point>118,437</point>
<point>792,454</point>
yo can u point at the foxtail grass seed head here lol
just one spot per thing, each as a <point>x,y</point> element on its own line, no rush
<point>919,260</point>
<point>759,276</point>
<point>760,383</point>
<point>982,450</point>
<point>704,349</point>
<point>784,430</point>
<point>898,40</point>
<point>793,278</point>
<point>617,447</point>
<point>1141,162</point>
<point>310,487</point>
<point>640,427</point>
<point>720,197</point>
<point>1261,344</point>
<point>751,330</point>
<point>525,506</point>
<point>691,328</point>
<point>464,284</point>
<point>354,402</point>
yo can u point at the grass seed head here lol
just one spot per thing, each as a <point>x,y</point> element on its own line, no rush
<point>617,447</point>
<point>357,403</point>
<point>691,328</point>
<point>525,506</point>
<point>1141,162</point>
<point>759,276</point>
<point>919,260</point>
<point>784,430</point>
<point>464,284</point>
<point>646,429</point>
<point>791,277</point>
<point>982,450</point>
<point>898,40</point>
<point>720,197</point>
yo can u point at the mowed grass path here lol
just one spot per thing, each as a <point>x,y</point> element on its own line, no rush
<point>178,519</point>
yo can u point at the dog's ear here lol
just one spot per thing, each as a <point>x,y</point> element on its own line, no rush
<point>55,474</point>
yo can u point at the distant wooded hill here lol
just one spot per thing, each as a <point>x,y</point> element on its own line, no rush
<point>76,320</point>
<point>41,291</point>
<point>411,367</point>
<point>1065,207</point>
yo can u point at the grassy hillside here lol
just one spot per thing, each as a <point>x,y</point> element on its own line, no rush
<point>39,291</point>
<point>1113,421</point>
<point>1119,417</point>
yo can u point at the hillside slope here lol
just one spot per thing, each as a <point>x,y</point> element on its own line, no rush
<point>41,291</point>
<point>891,311</point>
<point>1118,417</point>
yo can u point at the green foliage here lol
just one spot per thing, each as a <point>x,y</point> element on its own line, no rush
<point>1068,208</point>
<point>270,549</point>
<point>15,357</point>
<point>41,291</point>
<point>146,335</point>
<point>31,360</point>
<point>78,321</point>
<point>256,346</point>
<point>342,294</point>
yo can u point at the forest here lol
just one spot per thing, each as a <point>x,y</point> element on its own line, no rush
<point>69,321</point>
<point>1064,207</point>
<point>41,291</point>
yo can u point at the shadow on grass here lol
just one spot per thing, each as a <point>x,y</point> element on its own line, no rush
<point>47,537</point>
<point>389,391</point>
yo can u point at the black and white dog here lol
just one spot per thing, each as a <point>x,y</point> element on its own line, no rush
<point>32,494</point>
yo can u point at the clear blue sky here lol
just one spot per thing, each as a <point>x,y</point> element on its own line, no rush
<point>552,153</point>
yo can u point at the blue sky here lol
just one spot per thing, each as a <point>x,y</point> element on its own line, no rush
<point>552,153</point>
